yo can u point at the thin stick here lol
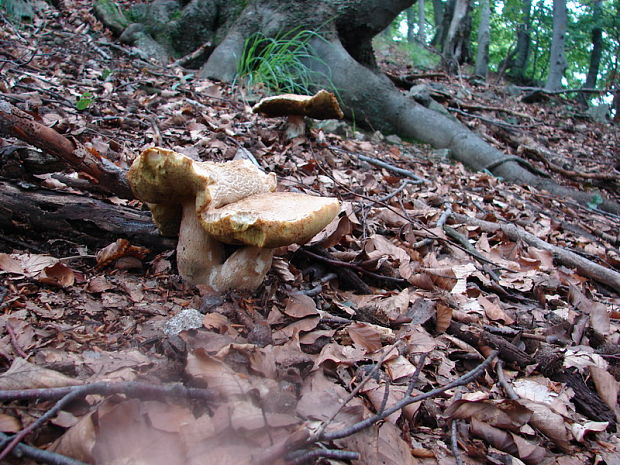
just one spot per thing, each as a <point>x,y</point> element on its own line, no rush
<point>510,392</point>
<point>359,426</point>
<point>43,456</point>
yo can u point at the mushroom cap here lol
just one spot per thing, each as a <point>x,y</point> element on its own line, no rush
<point>165,179</point>
<point>270,219</point>
<point>322,105</point>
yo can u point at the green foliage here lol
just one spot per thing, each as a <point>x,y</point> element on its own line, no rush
<point>280,63</point>
<point>595,201</point>
<point>85,101</point>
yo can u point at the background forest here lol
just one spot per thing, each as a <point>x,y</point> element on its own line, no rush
<point>515,39</point>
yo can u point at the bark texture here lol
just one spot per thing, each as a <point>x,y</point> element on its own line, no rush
<point>557,58</point>
<point>517,65</point>
<point>482,56</point>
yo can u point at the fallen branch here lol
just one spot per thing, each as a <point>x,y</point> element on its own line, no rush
<point>77,217</point>
<point>19,124</point>
<point>584,266</point>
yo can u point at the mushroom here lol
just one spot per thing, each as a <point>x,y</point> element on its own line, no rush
<point>322,105</point>
<point>212,204</point>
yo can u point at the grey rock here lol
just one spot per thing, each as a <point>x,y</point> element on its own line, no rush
<point>394,139</point>
<point>189,318</point>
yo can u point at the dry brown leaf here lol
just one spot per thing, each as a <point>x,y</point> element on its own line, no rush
<point>365,335</point>
<point>504,414</point>
<point>57,275</point>
<point>124,434</point>
<point>508,442</point>
<point>443,317</point>
<point>607,386</point>
<point>300,306</point>
<point>78,441</point>
<point>550,423</point>
<point>25,375</point>
<point>380,445</point>
<point>9,424</point>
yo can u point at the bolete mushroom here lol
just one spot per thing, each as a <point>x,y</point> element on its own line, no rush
<point>322,105</point>
<point>210,204</point>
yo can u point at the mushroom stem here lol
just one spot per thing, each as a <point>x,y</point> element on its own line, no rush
<point>198,253</point>
<point>201,259</point>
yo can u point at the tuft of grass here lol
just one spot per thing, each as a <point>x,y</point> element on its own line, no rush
<point>280,63</point>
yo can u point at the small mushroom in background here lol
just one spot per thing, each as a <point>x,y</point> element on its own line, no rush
<point>210,204</point>
<point>322,105</point>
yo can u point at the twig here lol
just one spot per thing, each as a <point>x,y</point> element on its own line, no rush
<point>359,426</point>
<point>71,393</point>
<point>300,457</point>
<point>454,436</point>
<point>43,456</point>
<point>401,188</point>
<point>410,174</point>
<point>510,392</point>
<point>335,262</point>
<point>131,389</point>
<point>357,389</point>
<point>190,56</point>
<point>14,341</point>
<point>70,397</point>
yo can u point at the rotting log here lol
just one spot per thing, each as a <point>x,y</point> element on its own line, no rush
<point>81,219</point>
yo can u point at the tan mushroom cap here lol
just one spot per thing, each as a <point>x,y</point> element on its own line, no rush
<point>322,105</point>
<point>165,179</point>
<point>270,219</point>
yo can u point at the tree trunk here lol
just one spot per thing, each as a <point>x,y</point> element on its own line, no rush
<point>421,22</point>
<point>557,57</point>
<point>456,42</point>
<point>597,45</point>
<point>438,13</point>
<point>517,67</point>
<point>482,56</point>
<point>410,25</point>
<point>340,57</point>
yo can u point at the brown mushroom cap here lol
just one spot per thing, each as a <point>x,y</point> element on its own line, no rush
<point>271,219</point>
<point>165,179</point>
<point>322,105</point>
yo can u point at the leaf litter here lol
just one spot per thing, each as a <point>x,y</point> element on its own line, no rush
<point>312,352</point>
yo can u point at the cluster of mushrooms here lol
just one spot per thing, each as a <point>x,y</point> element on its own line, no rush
<point>209,204</point>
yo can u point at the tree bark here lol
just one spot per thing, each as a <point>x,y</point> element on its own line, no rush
<point>597,46</point>
<point>482,55</point>
<point>517,67</point>
<point>557,57</point>
<point>16,123</point>
<point>455,47</point>
<point>421,36</point>
<point>78,218</point>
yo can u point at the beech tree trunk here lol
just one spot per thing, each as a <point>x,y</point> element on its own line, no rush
<point>456,42</point>
<point>597,45</point>
<point>517,66</point>
<point>482,55</point>
<point>421,36</point>
<point>557,57</point>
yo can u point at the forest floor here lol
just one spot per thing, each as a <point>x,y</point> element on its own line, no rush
<point>287,370</point>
